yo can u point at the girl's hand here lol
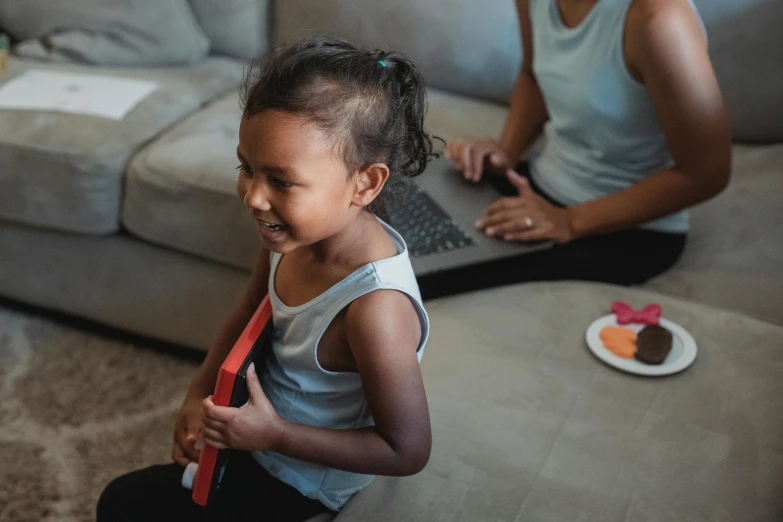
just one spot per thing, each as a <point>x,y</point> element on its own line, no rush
<point>469,157</point>
<point>186,431</point>
<point>256,426</point>
<point>526,217</point>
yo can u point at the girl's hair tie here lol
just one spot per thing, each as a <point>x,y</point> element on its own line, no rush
<point>383,64</point>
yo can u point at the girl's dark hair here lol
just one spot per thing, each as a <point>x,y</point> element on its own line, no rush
<point>372,102</point>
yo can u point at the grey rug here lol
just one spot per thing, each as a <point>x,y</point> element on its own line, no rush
<point>76,410</point>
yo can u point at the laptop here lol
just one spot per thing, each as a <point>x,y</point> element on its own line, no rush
<point>437,215</point>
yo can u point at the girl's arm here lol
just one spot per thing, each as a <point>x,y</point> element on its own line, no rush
<point>526,112</point>
<point>667,50</point>
<point>383,332</point>
<point>203,383</point>
<point>188,424</point>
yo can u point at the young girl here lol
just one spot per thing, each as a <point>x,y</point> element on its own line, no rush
<point>326,128</point>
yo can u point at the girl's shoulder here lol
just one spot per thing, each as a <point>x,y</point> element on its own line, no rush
<point>383,317</point>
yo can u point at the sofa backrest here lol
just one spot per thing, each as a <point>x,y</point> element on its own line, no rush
<point>473,47</point>
<point>238,28</point>
<point>465,46</point>
<point>746,47</point>
<point>102,32</point>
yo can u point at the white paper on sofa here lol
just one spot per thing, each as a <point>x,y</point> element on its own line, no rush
<point>102,96</point>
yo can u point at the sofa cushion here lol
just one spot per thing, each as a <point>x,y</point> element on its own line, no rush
<point>181,189</point>
<point>734,254</point>
<point>463,46</point>
<point>65,171</point>
<point>529,426</point>
<point>235,27</point>
<point>114,33</point>
<point>746,47</point>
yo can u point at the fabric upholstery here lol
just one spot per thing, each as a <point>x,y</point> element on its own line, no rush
<point>746,47</point>
<point>65,171</point>
<point>462,46</point>
<point>235,27</point>
<point>734,255</point>
<point>119,281</point>
<point>99,32</point>
<point>181,189</point>
<point>529,426</point>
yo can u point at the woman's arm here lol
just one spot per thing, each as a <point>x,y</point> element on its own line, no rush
<point>203,383</point>
<point>526,115</point>
<point>667,51</point>
<point>526,112</point>
<point>383,333</point>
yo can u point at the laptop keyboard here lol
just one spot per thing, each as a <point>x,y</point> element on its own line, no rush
<point>426,227</point>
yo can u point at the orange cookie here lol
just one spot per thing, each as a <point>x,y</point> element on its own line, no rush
<point>619,341</point>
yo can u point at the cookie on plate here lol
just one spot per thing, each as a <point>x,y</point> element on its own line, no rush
<point>653,344</point>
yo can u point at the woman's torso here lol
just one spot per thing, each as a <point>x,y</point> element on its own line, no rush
<point>603,134</point>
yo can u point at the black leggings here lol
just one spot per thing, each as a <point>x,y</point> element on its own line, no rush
<point>247,493</point>
<point>627,257</point>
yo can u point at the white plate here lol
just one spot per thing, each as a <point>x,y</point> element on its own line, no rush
<point>682,354</point>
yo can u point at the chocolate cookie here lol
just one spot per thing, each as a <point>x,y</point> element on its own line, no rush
<point>653,344</point>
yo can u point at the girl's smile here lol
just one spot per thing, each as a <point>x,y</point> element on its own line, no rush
<point>271,232</point>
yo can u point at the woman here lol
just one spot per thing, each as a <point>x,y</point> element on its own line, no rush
<point>634,132</point>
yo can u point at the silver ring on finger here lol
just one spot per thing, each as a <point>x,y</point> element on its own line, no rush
<point>528,222</point>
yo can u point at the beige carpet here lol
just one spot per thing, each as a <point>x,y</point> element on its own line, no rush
<point>76,410</point>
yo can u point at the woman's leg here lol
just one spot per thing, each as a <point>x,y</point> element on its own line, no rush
<point>626,257</point>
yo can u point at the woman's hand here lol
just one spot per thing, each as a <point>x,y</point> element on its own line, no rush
<point>186,431</point>
<point>256,426</point>
<point>469,157</point>
<point>526,217</point>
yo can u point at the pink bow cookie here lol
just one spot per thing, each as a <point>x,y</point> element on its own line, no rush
<point>650,314</point>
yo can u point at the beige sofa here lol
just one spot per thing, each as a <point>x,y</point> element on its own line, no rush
<point>135,223</point>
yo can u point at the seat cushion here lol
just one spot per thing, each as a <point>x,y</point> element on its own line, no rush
<point>451,116</point>
<point>527,425</point>
<point>734,255</point>
<point>65,171</point>
<point>181,189</point>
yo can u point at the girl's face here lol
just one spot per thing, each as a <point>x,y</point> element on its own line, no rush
<point>292,180</point>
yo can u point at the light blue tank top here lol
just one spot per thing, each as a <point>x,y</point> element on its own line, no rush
<point>603,134</point>
<point>303,392</point>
